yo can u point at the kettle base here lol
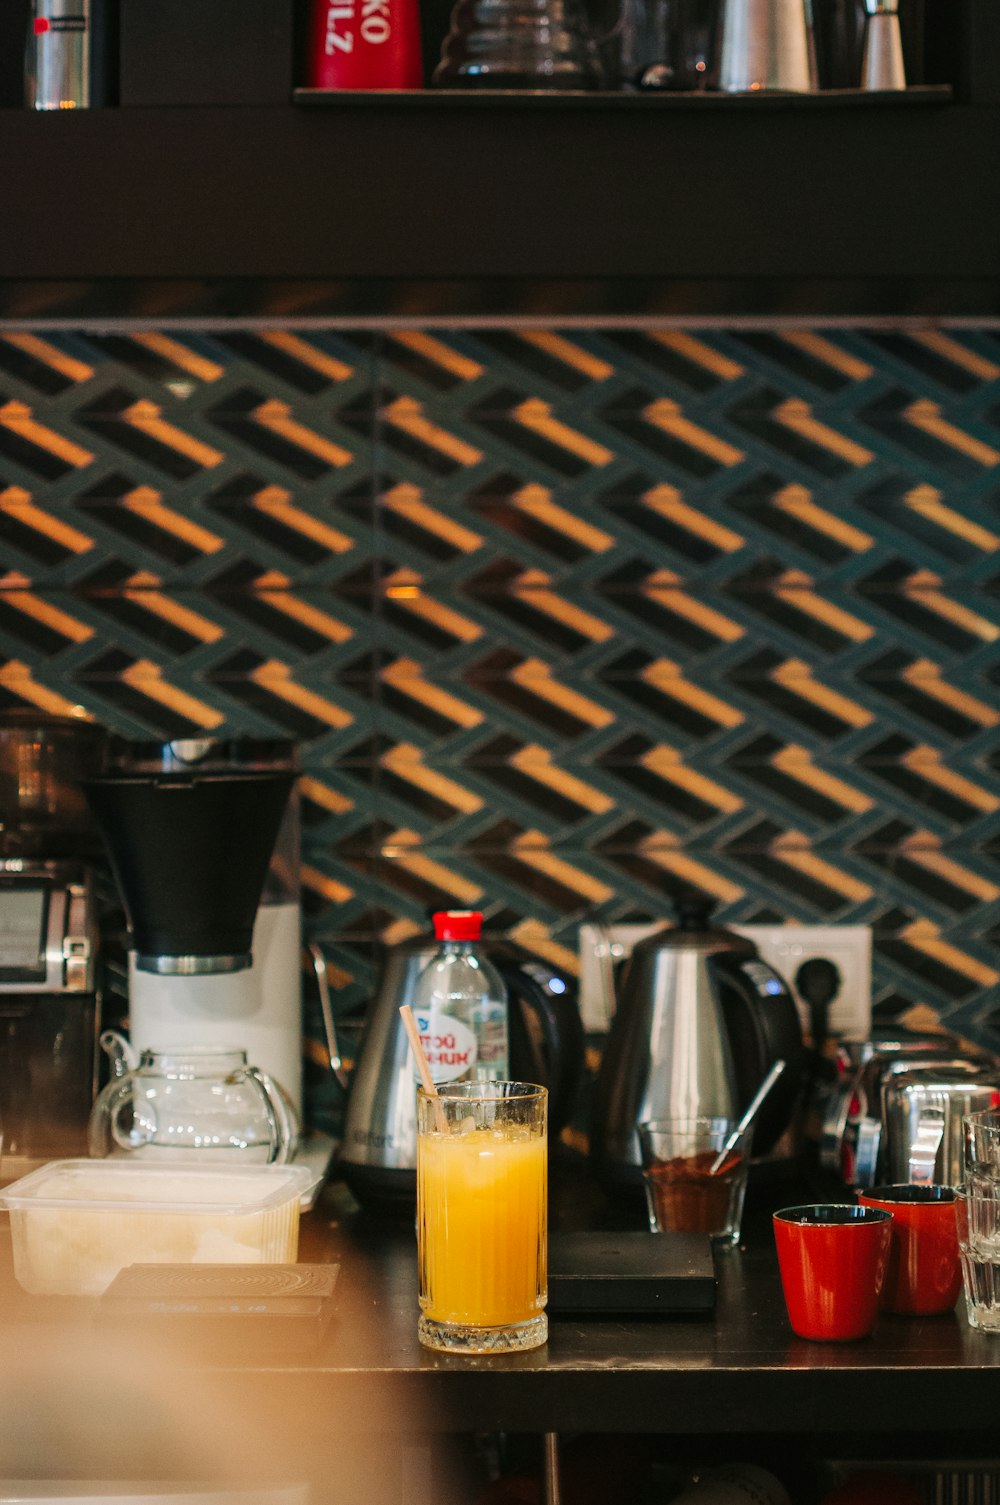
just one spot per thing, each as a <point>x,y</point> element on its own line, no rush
<point>383,1191</point>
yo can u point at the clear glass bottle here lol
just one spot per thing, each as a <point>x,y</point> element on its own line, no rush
<point>460,1004</point>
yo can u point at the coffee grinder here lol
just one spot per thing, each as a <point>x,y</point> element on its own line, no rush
<point>202,835</point>
<point>50,963</point>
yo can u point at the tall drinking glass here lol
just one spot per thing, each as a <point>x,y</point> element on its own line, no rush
<point>977,1210</point>
<point>482,1186</point>
<point>977,1206</point>
<point>982,1142</point>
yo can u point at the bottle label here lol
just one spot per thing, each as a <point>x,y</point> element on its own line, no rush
<point>493,1046</point>
<point>449,1045</point>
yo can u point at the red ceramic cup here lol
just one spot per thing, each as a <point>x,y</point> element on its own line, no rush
<point>832,1259</point>
<point>925,1271</point>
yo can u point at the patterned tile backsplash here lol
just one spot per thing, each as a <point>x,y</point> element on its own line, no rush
<point>564,620</point>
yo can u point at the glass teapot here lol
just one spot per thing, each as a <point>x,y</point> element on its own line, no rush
<point>197,1103</point>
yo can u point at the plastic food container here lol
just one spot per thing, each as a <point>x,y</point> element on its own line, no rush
<point>76,1223</point>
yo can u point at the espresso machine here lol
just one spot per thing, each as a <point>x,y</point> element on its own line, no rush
<point>50,953</point>
<point>202,835</point>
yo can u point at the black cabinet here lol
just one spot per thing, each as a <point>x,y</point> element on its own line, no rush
<point>554,207</point>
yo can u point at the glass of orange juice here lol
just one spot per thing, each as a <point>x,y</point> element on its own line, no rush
<point>482,1228</point>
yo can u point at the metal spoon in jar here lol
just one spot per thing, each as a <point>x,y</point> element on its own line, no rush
<point>750,1113</point>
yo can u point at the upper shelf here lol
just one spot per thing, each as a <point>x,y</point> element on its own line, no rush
<point>435,206</point>
<point>499,100</point>
<point>459,206</point>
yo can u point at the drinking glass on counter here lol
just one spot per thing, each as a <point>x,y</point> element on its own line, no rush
<point>482,1189</point>
<point>981,1133</point>
<point>977,1209</point>
<point>689,1189</point>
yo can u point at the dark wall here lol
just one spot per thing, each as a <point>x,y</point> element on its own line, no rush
<point>565,620</point>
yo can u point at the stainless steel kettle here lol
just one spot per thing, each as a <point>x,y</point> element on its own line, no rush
<point>378,1152</point>
<point>700,1019</point>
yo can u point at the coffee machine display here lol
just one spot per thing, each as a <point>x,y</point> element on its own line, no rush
<point>700,1020</point>
<point>203,840</point>
<point>50,995</point>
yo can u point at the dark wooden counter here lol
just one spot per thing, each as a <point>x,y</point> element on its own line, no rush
<point>740,1370</point>
<point>926,1383</point>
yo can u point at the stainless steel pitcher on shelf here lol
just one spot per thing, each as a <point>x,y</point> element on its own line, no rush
<point>767,45</point>
<point>882,65</point>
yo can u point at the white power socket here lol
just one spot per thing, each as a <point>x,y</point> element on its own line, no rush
<point>849,947</point>
<point>786,947</point>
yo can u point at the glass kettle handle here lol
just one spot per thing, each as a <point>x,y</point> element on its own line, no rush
<point>120,1052</point>
<point>284,1119</point>
<point>105,1131</point>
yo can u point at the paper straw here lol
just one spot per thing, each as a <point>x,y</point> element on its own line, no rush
<point>413,1035</point>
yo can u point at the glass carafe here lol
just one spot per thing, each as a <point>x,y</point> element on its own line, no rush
<point>518,44</point>
<point>199,1104</point>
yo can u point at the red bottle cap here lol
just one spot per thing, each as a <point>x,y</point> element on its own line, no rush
<point>458,925</point>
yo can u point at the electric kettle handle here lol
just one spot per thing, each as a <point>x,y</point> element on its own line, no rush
<point>555,1035</point>
<point>769,1004</point>
<point>763,1027</point>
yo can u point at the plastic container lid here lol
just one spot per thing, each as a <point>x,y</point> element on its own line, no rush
<point>118,1184</point>
<point>145,1492</point>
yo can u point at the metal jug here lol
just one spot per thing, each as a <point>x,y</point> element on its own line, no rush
<point>699,1021</point>
<point>883,65</point>
<point>767,45</point>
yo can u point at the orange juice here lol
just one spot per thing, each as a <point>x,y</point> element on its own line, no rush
<point>482,1229</point>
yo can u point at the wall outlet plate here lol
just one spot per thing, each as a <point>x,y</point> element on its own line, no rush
<point>786,947</point>
<point>849,947</point>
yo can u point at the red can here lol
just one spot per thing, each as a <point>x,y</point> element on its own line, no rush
<point>364,44</point>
